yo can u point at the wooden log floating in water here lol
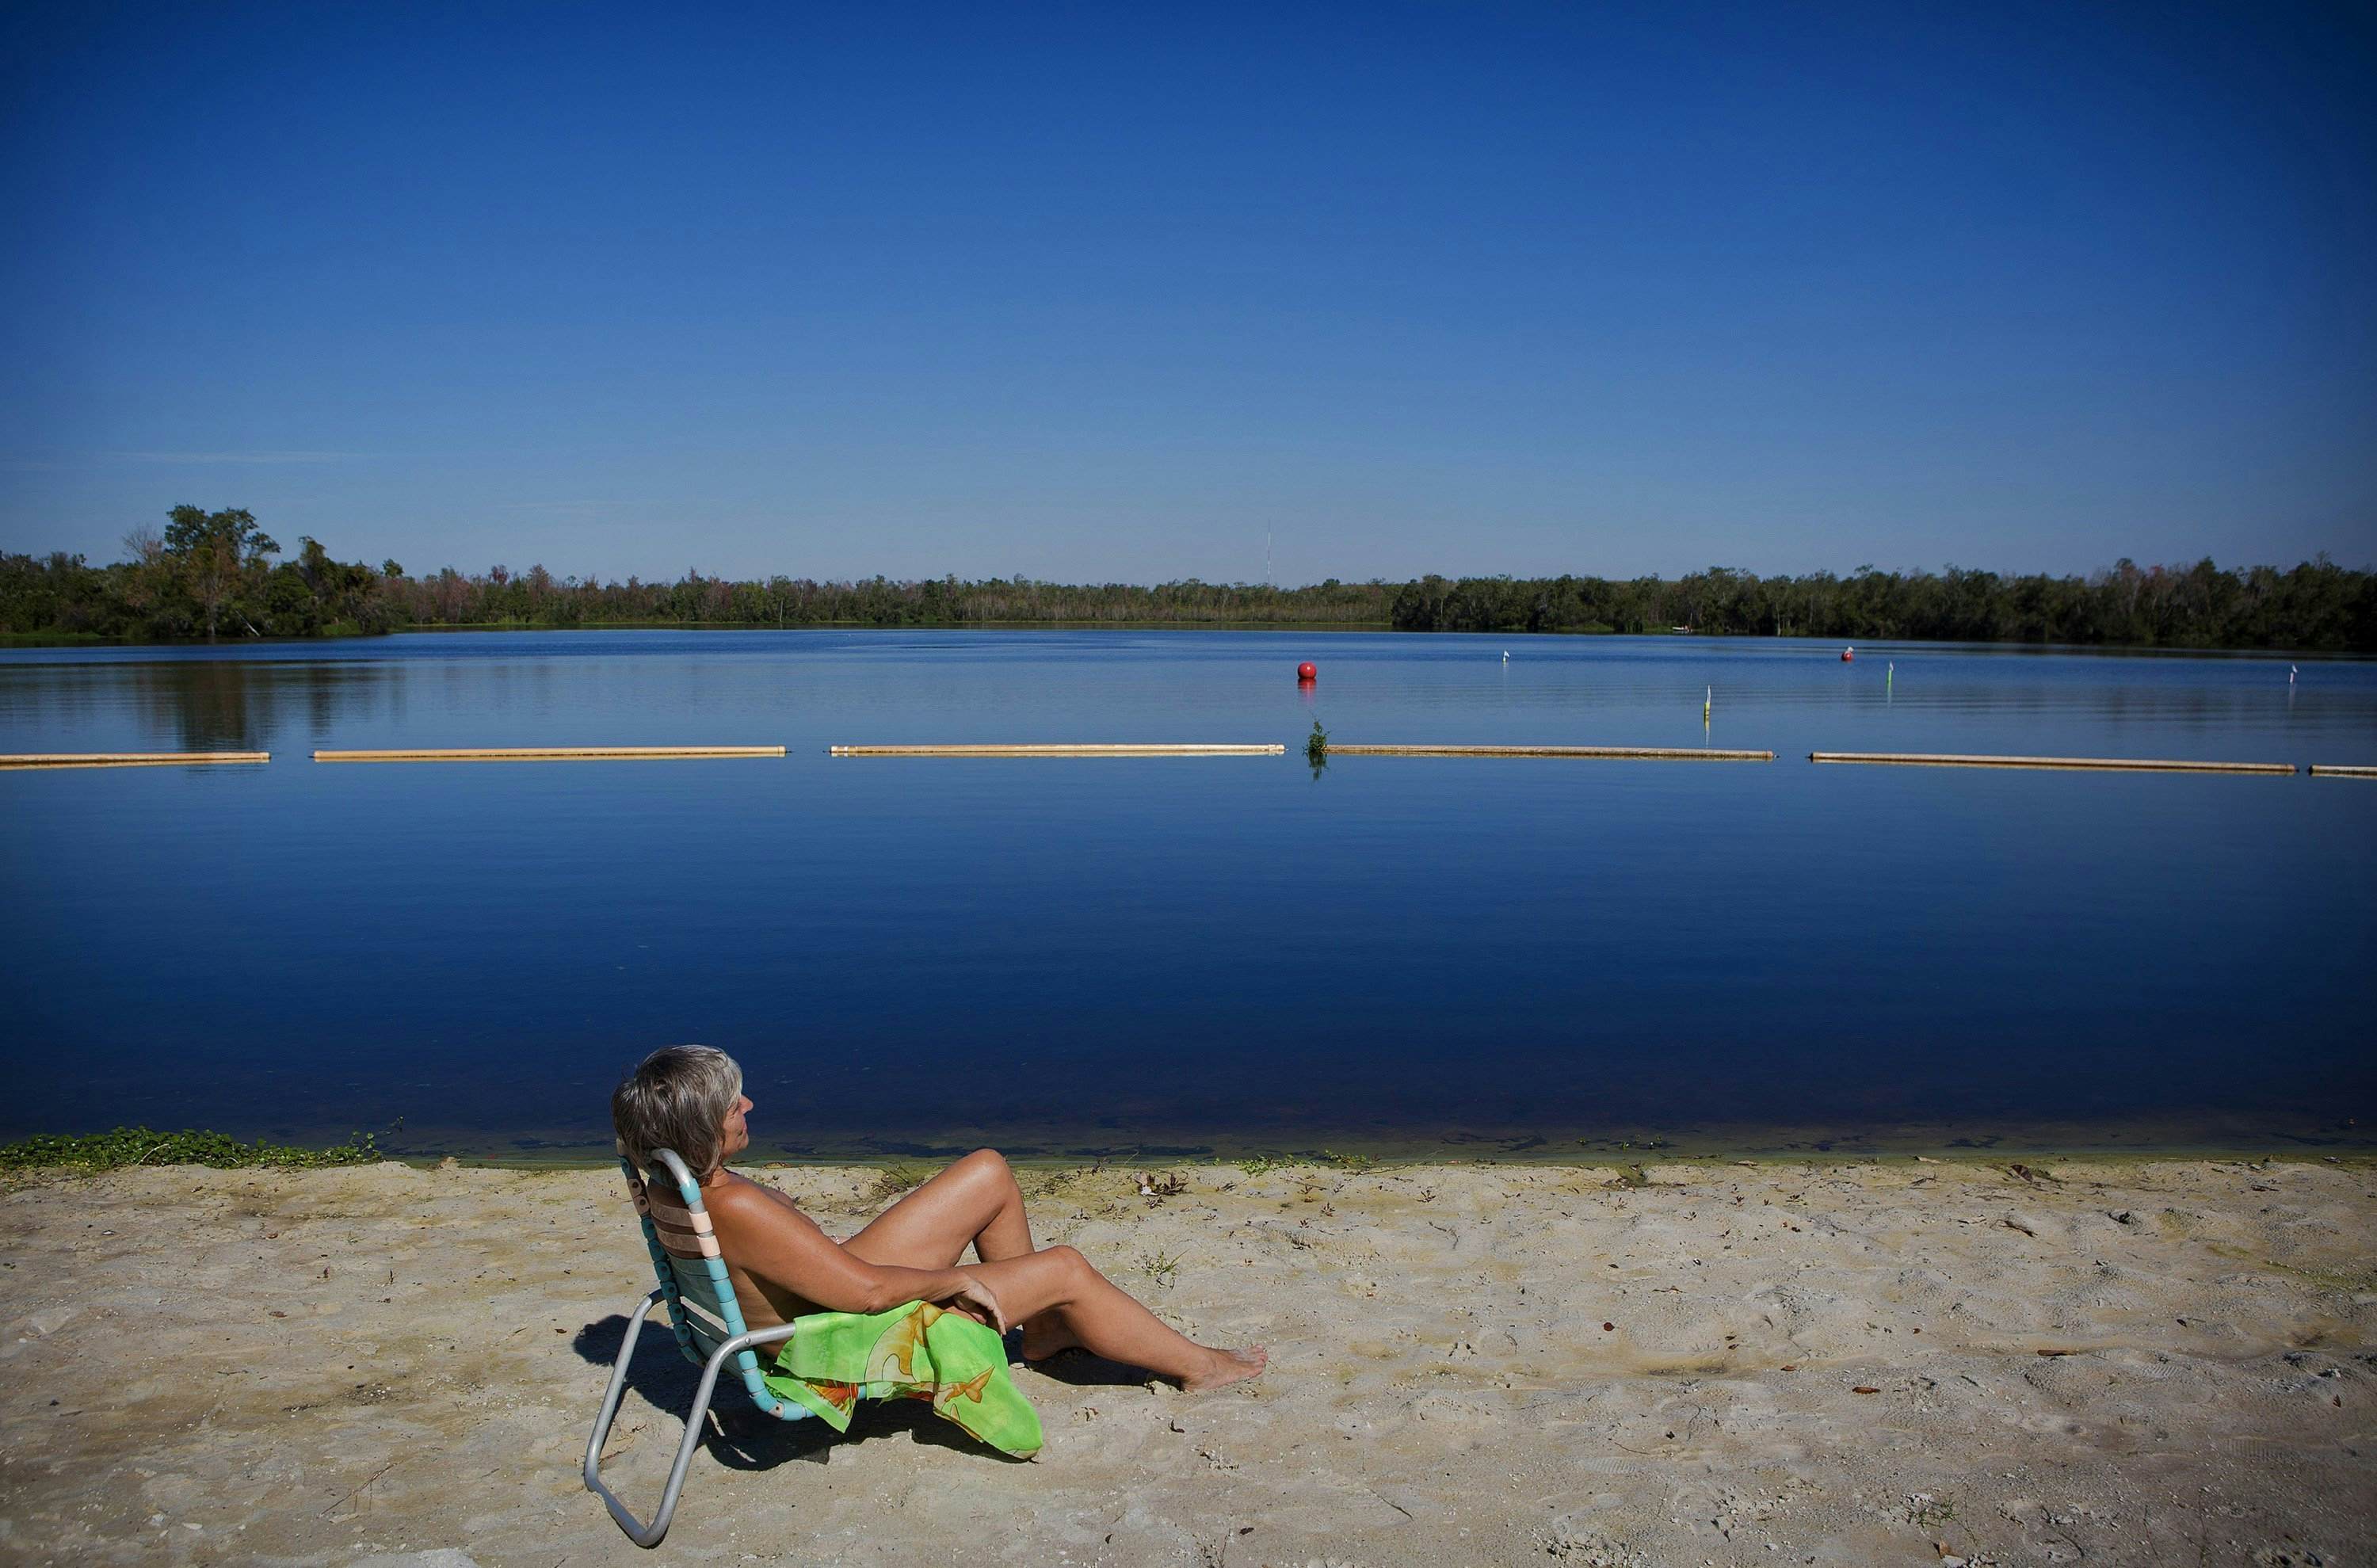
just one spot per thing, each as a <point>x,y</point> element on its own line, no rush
<point>1618,753</point>
<point>2114,764</point>
<point>2341,770</point>
<point>1062,749</point>
<point>129,759</point>
<point>549,754</point>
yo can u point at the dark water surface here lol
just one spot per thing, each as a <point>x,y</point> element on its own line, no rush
<point>1207,955</point>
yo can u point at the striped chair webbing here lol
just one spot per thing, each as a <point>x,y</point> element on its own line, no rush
<point>661,1265</point>
<point>684,1231</point>
<point>705,1313</point>
<point>702,1308</point>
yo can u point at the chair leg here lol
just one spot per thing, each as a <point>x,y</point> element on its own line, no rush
<point>650,1535</point>
<point>641,1534</point>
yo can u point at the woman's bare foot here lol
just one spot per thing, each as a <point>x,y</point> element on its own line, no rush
<point>1229,1367</point>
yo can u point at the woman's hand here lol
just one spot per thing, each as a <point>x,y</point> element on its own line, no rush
<point>977,1300</point>
<point>775,1242</point>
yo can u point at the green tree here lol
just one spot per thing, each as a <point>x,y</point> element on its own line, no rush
<point>220,558</point>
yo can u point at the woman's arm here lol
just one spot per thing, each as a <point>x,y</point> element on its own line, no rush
<point>769,1238</point>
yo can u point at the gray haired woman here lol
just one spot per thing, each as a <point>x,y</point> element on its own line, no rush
<point>690,1099</point>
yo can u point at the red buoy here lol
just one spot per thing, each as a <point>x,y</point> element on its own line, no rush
<point>1305,673</point>
<point>1848,655</point>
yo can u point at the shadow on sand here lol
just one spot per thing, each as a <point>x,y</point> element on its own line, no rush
<point>747,1439</point>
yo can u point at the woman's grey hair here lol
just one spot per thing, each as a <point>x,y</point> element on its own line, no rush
<point>676,1098</point>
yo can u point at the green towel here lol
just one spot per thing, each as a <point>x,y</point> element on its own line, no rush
<point>917,1351</point>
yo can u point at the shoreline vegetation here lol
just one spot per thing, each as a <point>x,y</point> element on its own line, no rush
<point>212,577</point>
<point>122,1146</point>
<point>126,1147</point>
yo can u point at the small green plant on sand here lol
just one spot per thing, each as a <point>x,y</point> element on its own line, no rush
<point>897,1180</point>
<point>1357,1164</point>
<point>1263,1165</point>
<point>146,1145</point>
<point>1160,1267</point>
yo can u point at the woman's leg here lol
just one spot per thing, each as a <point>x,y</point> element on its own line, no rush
<point>1060,1284</point>
<point>975,1202</point>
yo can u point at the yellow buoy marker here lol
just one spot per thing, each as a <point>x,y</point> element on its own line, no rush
<point>546,753</point>
<point>2115,765</point>
<point>1604,753</point>
<point>1064,749</point>
<point>129,759</point>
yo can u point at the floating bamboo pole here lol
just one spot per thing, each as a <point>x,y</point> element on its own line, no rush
<point>129,759</point>
<point>1624,753</point>
<point>2342,771</point>
<point>2124,764</point>
<point>549,754</point>
<point>1061,750</point>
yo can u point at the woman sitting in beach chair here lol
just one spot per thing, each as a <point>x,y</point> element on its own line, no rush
<point>690,1099</point>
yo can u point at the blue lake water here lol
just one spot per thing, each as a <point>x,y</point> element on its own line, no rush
<point>1164,957</point>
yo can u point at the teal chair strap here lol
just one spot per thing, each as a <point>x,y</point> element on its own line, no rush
<point>702,1307</point>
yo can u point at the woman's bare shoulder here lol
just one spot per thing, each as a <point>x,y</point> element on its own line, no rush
<point>738,1197</point>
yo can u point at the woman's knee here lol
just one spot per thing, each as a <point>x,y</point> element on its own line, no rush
<point>989,1167</point>
<point>1067,1261</point>
<point>986,1162</point>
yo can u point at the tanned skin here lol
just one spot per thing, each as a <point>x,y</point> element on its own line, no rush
<point>783,1265</point>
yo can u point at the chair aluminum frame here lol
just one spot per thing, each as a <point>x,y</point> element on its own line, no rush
<point>735,1347</point>
<point>650,1535</point>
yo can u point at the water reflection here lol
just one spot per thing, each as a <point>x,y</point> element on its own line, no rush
<point>191,704</point>
<point>183,705</point>
<point>1409,950</point>
<point>745,687</point>
<point>214,706</point>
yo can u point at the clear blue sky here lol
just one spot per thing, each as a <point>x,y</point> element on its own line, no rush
<point>1101,293</point>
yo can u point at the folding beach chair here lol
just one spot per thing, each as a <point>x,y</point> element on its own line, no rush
<point>709,1326</point>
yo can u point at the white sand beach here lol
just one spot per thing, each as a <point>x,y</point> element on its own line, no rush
<point>2135,1361</point>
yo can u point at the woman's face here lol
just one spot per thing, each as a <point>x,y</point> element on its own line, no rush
<point>736,1135</point>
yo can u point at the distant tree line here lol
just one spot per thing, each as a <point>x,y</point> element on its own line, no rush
<point>212,575</point>
<point>207,575</point>
<point>2315,605</point>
